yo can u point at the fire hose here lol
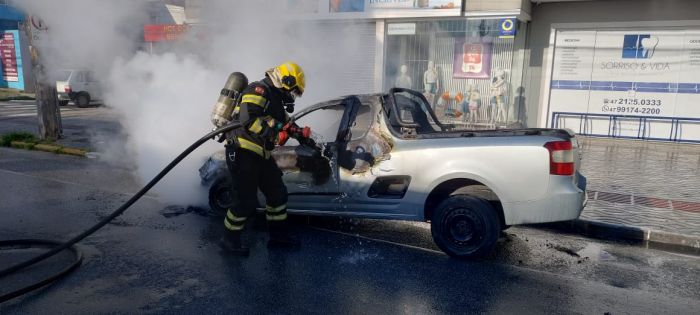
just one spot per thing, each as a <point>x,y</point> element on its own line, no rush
<point>70,244</point>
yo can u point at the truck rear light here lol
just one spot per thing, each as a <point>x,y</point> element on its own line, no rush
<point>561,158</point>
<point>67,89</point>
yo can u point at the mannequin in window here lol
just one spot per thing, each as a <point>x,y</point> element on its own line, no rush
<point>430,82</point>
<point>403,80</point>
<point>498,94</point>
<point>473,103</point>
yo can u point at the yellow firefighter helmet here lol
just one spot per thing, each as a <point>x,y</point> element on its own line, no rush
<point>292,77</point>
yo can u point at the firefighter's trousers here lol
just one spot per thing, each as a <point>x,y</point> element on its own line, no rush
<point>249,172</point>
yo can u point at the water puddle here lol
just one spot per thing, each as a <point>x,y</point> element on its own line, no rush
<point>595,252</point>
<point>566,251</point>
<point>359,257</point>
<point>174,211</point>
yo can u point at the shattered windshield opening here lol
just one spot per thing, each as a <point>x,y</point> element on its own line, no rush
<point>411,109</point>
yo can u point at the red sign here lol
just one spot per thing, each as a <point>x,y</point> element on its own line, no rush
<point>472,57</point>
<point>8,58</point>
<point>163,32</point>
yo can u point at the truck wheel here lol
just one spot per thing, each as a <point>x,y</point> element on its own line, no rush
<point>82,99</point>
<point>465,227</point>
<point>62,103</point>
<point>221,195</point>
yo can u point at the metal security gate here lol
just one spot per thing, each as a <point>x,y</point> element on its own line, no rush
<point>350,48</point>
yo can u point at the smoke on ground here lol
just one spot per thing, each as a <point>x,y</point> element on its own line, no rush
<point>165,98</point>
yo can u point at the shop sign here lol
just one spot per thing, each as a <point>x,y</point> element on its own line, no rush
<point>163,32</point>
<point>9,57</point>
<point>382,8</point>
<point>648,73</point>
<point>507,28</point>
<point>472,60</point>
<point>401,29</point>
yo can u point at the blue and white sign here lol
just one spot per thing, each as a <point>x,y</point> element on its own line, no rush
<point>653,74</point>
<point>507,28</point>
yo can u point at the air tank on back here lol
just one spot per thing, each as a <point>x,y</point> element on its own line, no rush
<point>225,106</point>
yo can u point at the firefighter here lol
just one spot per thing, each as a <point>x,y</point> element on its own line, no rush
<point>263,112</point>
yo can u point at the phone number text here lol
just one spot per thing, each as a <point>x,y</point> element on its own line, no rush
<point>632,102</point>
<point>631,110</point>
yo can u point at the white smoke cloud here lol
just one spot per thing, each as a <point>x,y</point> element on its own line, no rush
<point>87,34</point>
<point>165,99</point>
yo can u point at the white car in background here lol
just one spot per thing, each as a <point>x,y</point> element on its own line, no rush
<point>78,86</point>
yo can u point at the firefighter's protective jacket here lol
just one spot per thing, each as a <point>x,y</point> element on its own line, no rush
<point>262,114</point>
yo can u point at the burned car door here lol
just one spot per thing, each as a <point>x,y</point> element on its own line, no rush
<point>362,159</point>
<point>311,172</point>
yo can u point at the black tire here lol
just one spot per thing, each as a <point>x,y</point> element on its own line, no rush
<point>221,195</point>
<point>62,103</point>
<point>465,227</point>
<point>82,99</point>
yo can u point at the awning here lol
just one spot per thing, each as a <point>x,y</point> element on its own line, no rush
<point>9,13</point>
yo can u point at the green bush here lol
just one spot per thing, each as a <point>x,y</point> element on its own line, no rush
<point>6,139</point>
<point>7,94</point>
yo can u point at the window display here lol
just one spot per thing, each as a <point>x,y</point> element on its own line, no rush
<point>463,68</point>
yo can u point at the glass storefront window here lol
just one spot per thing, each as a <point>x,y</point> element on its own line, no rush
<point>470,75</point>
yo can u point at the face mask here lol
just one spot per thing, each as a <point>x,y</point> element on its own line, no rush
<point>289,107</point>
<point>288,99</point>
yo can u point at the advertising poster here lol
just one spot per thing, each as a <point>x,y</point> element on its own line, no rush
<point>648,73</point>
<point>12,76</point>
<point>379,5</point>
<point>472,60</point>
<point>9,57</point>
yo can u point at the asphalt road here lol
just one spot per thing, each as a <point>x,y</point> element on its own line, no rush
<point>158,258</point>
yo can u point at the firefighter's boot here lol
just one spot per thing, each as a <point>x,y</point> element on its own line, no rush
<point>281,236</point>
<point>231,243</point>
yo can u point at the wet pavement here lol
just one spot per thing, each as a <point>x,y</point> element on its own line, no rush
<point>160,258</point>
<point>93,128</point>
<point>643,184</point>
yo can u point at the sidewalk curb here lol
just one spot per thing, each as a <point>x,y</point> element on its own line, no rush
<point>48,148</point>
<point>642,235</point>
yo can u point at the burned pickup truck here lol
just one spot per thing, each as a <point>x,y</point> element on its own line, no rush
<point>389,157</point>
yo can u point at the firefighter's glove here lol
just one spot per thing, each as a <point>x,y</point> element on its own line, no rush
<point>307,142</point>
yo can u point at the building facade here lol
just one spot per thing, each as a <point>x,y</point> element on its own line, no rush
<point>611,68</point>
<point>467,58</point>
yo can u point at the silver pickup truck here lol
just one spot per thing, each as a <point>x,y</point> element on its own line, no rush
<point>389,157</point>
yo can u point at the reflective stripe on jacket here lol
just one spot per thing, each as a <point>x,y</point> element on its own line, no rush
<point>262,114</point>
